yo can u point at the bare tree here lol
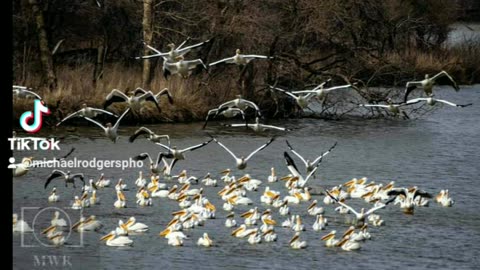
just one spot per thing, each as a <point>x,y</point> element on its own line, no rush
<point>147,24</point>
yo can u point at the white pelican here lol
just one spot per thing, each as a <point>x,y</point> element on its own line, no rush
<point>162,193</point>
<point>432,101</point>
<point>209,181</point>
<point>53,195</point>
<point>257,126</point>
<point>151,136</point>
<point>77,203</point>
<point>173,54</point>
<point>348,245</point>
<point>87,224</point>
<point>56,221</point>
<point>240,59</point>
<point>254,237</point>
<point>391,107</point>
<point>22,168</point>
<point>354,236</point>
<point>175,241</point>
<point>230,221</point>
<point>141,181</point>
<point>109,130</point>
<point>269,195</point>
<point>90,187</point>
<point>310,165</point>
<point>86,111</point>
<point>407,197</point>
<point>134,226</point>
<point>301,100</point>
<point>288,223</point>
<point>133,99</point>
<point>180,154</point>
<point>298,226</point>
<point>360,217</point>
<point>227,112</point>
<point>295,243</point>
<point>205,241</point>
<point>241,162</point>
<point>301,182</point>
<point>320,223</point>
<point>313,210</point>
<point>321,92</point>
<point>154,168</point>
<point>284,209</point>
<point>181,67</point>
<point>24,92</point>
<point>20,225</point>
<point>329,239</point>
<point>242,231</point>
<point>226,176</point>
<point>102,182</point>
<point>272,177</point>
<point>57,239</point>
<point>242,104</point>
<point>68,177</point>
<point>270,235</point>
<point>267,223</point>
<point>120,202</point>
<point>143,198</point>
<point>116,241</point>
<point>375,220</point>
<point>444,199</point>
<point>427,84</point>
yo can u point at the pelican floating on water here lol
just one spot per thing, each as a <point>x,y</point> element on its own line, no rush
<point>20,226</point>
<point>116,241</point>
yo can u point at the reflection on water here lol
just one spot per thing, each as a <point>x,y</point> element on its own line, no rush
<point>439,151</point>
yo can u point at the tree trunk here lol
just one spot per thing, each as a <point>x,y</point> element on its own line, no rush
<point>45,54</point>
<point>98,69</point>
<point>147,24</point>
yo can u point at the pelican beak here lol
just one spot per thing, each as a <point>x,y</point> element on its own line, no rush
<point>128,223</point>
<point>328,236</point>
<point>343,241</point>
<point>237,230</point>
<point>286,178</point>
<point>172,222</point>
<point>172,190</point>
<point>267,232</point>
<point>312,205</point>
<point>185,187</point>
<point>153,188</point>
<point>270,221</point>
<point>121,196</point>
<point>181,197</point>
<point>350,183</point>
<point>210,206</point>
<point>294,238</point>
<point>49,229</point>
<point>106,237</point>
<point>243,179</point>
<point>165,232</point>
<point>225,171</point>
<point>348,232</point>
<point>76,225</point>
<point>246,214</point>
<point>179,213</point>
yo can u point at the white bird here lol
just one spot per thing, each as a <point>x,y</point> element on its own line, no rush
<point>329,239</point>
<point>241,162</point>
<point>310,165</point>
<point>90,187</point>
<point>295,242</point>
<point>257,126</point>
<point>270,236</point>
<point>242,231</point>
<point>320,223</point>
<point>284,209</point>
<point>230,221</point>
<point>57,221</point>
<point>67,176</point>
<point>209,181</point>
<point>313,210</point>
<point>134,226</point>
<point>390,106</point>
<point>444,199</point>
<point>109,130</point>
<point>301,100</point>
<point>432,101</point>
<point>87,224</point>
<point>300,181</point>
<point>151,136</point>
<point>141,181</point>
<point>254,237</point>
<point>242,104</point>
<point>93,198</point>
<point>360,217</point>
<point>205,241</point>
<point>298,226</point>
<point>20,226</point>
<point>227,112</point>
<point>427,84</point>
<point>133,99</point>
<point>102,182</point>
<point>181,67</point>
<point>272,177</point>
<point>348,245</point>
<point>53,195</point>
<point>116,241</point>
<point>240,59</point>
<point>154,168</point>
<point>173,54</point>
<point>180,154</point>
<point>22,168</point>
<point>86,111</point>
<point>25,92</point>
<point>120,202</point>
<point>321,92</point>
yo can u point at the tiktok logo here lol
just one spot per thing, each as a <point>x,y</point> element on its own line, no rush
<point>38,110</point>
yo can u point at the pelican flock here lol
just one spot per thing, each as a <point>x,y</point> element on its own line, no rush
<point>285,198</point>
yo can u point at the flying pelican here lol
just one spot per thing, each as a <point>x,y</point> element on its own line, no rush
<point>432,101</point>
<point>164,91</point>
<point>110,131</point>
<point>427,84</point>
<point>86,111</point>
<point>173,54</point>
<point>257,126</point>
<point>179,154</point>
<point>20,225</point>
<point>241,162</point>
<point>295,243</point>
<point>390,106</point>
<point>301,100</point>
<point>154,169</point>
<point>205,241</point>
<point>68,177</point>
<point>25,92</point>
<point>301,182</point>
<point>151,136</point>
<point>227,112</point>
<point>360,217</point>
<point>181,67</point>
<point>240,103</point>
<point>116,241</point>
<point>134,100</point>
<point>321,92</point>
<point>310,165</point>
<point>240,59</point>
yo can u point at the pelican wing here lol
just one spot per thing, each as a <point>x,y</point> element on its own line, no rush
<point>291,165</point>
<point>324,154</point>
<point>453,104</point>
<point>296,153</point>
<point>283,91</point>
<point>449,80</point>
<point>143,156</point>
<point>341,203</point>
<point>260,148</point>
<point>120,118</point>
<point>228,60</point>
<point>195,147</point>
<point>164,146</point>
<point>96,123</point>
<point>103,111</point>
<point>373,105</point>
<point>114,96</point>
<point>149,96</point>
<point>165,91</point>
<point>409,87</point>
<point>272,127</point>
<point>53,175</point>
<point>79,176</point>
<point>31,93</point>
<point>138,132</point>
<point>189,48</point>
<point>226,149</point>
<point>69,116</point>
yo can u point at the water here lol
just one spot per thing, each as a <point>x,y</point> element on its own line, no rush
<point>436,152</point>
<point>463,32</point>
